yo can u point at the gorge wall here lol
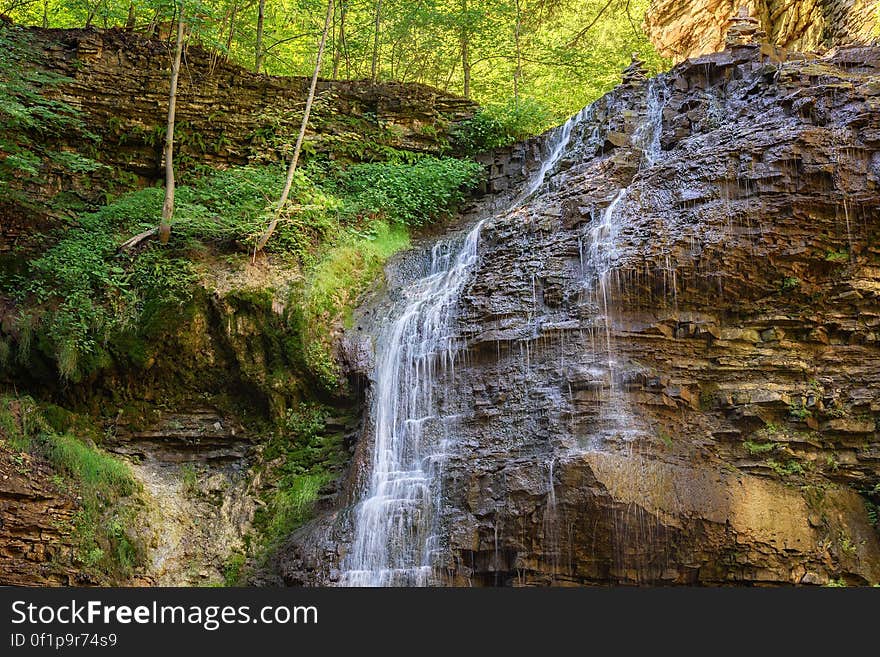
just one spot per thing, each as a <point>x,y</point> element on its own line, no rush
<point>669,360</point>
<point>681,29</point>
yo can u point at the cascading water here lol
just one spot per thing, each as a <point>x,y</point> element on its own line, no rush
<point>647,136</point>
<point>603,254</point>
<point>395,525</point>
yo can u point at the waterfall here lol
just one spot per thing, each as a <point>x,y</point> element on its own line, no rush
<point>647,136</point>
<point>603,255</point>
<point>396,522</point>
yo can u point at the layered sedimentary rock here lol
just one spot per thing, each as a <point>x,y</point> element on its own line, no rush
<point>670,369</point>
<point>684,28</point>
<point>35,520</point>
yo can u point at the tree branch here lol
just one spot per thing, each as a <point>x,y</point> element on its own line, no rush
<point>580,35</point>
<point>132,242</point>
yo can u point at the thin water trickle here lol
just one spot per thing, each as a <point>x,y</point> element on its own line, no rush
<point>647,135</point>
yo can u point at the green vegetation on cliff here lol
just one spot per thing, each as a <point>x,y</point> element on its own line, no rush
<point>29,120</point>
<point>83,298</point>
<point>103,485</point>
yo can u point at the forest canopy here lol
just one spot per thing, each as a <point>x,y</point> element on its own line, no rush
<point>529,61</point>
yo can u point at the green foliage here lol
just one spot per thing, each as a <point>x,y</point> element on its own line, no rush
<point>756,449</point>
<point>101,483</point>
<point>234,206</point>
<point>873,514</point>
<point>412,194</point>
<point>86,290</point>
<point>832,463</point>
<point>189,480</point>
<point>786,468</point>
<point>499,125</point>
<point>29,120</point>
<point>789,284</point>
<point>84,303</point>
<point>306,457</point>
<point>552,59</point>
<point>233,569</point>
<point>336,281</point>
<point>86,465</point>
<point>837,256</point>
<point>799,412</point>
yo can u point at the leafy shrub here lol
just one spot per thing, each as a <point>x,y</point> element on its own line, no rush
<point>412,194</point>
<point>235,206</point>
<point>497,126</point>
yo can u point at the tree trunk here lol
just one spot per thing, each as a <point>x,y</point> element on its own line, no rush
<point>231,34</point>
<point>517,74</point>
<point>258,58</point>
<point>340,44</point>
<point>299,140</point>
<point>168,205</point>
<point>465,51</point>
<point>374,75</point>
<point>130,21</point>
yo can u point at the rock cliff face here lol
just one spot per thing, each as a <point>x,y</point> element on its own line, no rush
<point>670,369</point>
<point>681,29</point>
<point>35,545</point>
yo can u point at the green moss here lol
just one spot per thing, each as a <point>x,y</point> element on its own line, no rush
<point>334,285</point>
<point>666,438</point>
<point>755,448</point>
<point>233,569</point>
<point>305,457</point>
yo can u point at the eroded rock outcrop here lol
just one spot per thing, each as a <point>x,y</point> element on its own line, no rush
<point>35,520</point>
<point>689,28</point>
<point>671,362</point>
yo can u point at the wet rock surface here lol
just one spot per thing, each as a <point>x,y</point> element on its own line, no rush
<point>683,388</point>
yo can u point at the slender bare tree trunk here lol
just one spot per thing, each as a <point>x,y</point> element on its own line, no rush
<point>340,44</point>
<point>299,140</point>
<point>231,34</point>
<point>258,58</point>
<point>130,21</point>
<point>465,51</point>
<point>517,74</point>
<point>168,205</point>
<point>374,75</point>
